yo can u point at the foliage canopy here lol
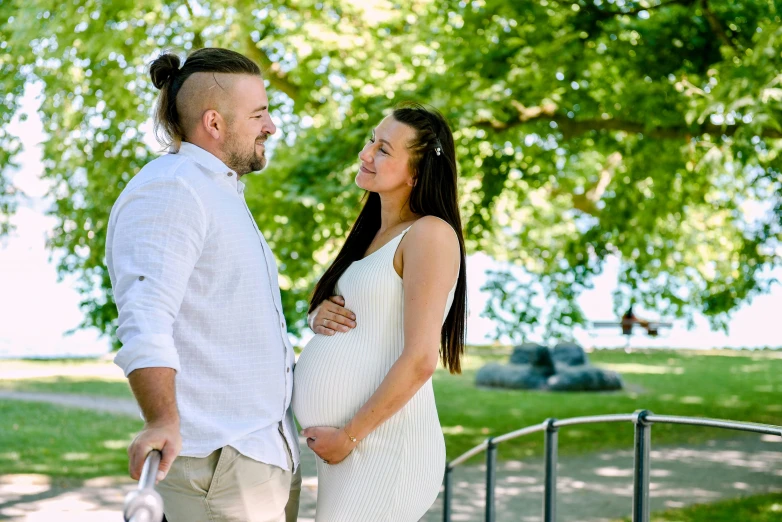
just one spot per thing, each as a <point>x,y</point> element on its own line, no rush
<point>648,130</point>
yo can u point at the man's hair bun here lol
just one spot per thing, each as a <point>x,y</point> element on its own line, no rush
<point>165,67</point>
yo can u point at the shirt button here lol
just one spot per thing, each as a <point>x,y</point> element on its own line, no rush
<point>230,174</point>
<point>287,370</point>
<point>140,278</point>
<point>282,323</point>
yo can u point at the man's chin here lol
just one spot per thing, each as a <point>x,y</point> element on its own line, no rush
<point>258,166</point>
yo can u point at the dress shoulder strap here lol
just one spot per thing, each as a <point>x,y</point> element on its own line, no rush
<point>398,239</point>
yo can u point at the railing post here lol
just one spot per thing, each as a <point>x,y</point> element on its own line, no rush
<point>145,504</point>
<point>491,474</point>
<point>641,466</point>
<point>447,493</point>
<point>550,472</point>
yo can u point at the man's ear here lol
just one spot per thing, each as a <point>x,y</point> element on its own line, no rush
<point>213,123</point>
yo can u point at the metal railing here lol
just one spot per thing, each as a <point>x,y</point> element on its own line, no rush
<point>643,420</point>
<point>145,504</point>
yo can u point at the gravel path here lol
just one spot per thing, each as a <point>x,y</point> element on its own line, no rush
<point>591,488</point>
<point>117,405</point>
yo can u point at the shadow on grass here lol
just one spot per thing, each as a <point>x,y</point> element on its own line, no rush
<point>63,443</point>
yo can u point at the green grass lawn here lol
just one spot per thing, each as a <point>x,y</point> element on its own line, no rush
<point>80,376</point>
<point>68,384</point>
<point>745,386</point>
<point>60,442</point>
<point>72,445</point>
<point>726,384</point>
<point>760,508</point>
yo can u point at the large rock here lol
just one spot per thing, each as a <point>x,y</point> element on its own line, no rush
<point>535,367</point>
<point>584,378</point>
<point>535,355</point>
<point>570,354</point>
<point>514,376</point>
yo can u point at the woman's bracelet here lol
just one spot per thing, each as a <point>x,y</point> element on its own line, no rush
<point>351,437</point>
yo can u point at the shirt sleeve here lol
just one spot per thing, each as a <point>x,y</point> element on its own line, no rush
<point>158,235</point>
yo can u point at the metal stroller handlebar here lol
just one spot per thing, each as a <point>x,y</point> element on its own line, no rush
<point>145,504</point>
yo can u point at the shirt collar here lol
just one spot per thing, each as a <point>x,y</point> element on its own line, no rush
<point>211,164</point>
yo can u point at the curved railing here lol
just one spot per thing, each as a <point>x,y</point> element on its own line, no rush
<point>145,505</point>
<point>643,420</point>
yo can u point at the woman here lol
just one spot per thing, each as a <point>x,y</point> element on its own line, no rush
<point>365,396</point>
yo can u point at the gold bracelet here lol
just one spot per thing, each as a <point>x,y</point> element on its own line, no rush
<point>351,437</point>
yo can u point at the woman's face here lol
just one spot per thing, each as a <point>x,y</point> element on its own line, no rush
<point>385,160</point>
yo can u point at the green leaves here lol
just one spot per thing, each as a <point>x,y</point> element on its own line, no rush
<point>646,131</point>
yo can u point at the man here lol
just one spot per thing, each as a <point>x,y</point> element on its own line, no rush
<point>204,340</point>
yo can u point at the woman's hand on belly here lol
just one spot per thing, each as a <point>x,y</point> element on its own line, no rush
<point>331,317</point>
<point>332,445</point>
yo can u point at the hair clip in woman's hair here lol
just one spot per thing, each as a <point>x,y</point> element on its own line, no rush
<point>438,148</point>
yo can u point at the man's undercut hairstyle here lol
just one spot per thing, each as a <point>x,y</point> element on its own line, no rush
<point>168,77</point>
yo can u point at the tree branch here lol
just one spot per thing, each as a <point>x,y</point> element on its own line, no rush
<point>272,71</point>
<point>570,127</point>
<point>717,28</point>
<point>587,202</point>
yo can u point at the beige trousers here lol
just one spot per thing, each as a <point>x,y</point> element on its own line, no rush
<point>226,486</point>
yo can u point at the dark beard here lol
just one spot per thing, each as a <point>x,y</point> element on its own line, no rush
<point>244,163</point>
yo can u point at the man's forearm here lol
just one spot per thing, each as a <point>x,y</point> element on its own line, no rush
<point>155,392</point>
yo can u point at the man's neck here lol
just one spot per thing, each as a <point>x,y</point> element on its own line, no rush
<point>209,147</point>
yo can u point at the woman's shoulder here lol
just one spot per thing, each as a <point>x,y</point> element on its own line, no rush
<point>432,232</point>
<point>433,225</point>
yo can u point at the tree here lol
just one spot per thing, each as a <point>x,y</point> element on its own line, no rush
<point>647,130</point>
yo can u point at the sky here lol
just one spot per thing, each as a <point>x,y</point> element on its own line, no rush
<point>37,310</point>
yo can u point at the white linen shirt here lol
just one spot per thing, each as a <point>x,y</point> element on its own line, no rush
<point>196,289</point>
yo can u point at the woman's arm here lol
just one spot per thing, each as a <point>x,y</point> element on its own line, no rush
<point>430,258</point>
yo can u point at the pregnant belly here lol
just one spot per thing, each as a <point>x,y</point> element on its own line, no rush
<point>335,376</point>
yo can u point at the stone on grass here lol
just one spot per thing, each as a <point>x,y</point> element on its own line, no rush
<point>584,378</point>
<point>513,376</point>
<point>535,367</point>
<point>535,355</point>
<point>570,354</point>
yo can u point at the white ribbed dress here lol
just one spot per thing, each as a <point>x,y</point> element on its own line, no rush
<point>395,473</point>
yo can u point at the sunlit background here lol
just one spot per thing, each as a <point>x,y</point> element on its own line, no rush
<point>40,314</point>
<point>610,151</point>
